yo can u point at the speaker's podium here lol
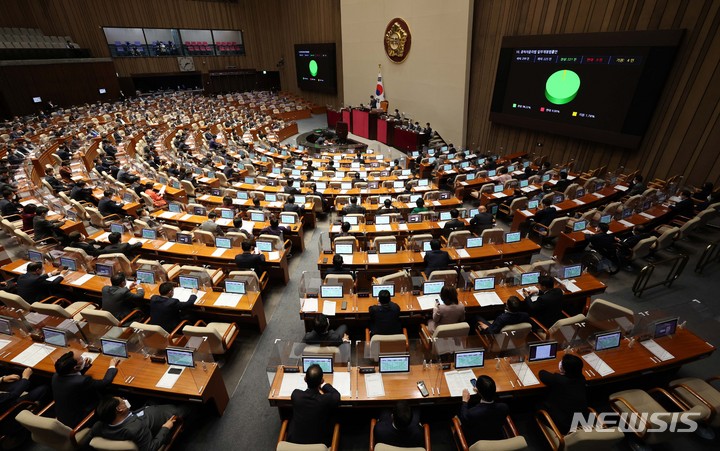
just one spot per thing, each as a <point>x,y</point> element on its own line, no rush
<point>364,123</point>
<point>341,129</point>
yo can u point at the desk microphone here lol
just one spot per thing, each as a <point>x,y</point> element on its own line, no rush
<point>682,325</point>
<point>632,343</point>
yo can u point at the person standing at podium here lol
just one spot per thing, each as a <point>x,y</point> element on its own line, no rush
<point>374,104</point>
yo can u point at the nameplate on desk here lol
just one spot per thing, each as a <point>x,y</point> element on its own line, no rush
<point>578,202</point>
<point>166,246</point>
<point>290,369</point>
<point>366,369</point>
<point>383,228</point>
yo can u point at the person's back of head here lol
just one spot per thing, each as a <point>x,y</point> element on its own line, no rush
<point>237,222</point>
<point>33,267</point>
<point>513,304</point>
<point>114,238</point>
<point>420,203</point>
<point>486,387</point>
<point>563,175</point>
<point>118,279</point>
<point>402,415</point>
<point>314,376</point>
<point>338,261</point>
<point>345,227</point>
<point>246,246</point>
<point>685,193</point>
<point>547,202</point>
<point>108,193</point>
<point>604,227</point>
<point>41,210</point>
<point>74,237</point>
<point>256,201</point>
<point>448,295</point>
<point>66,364</point>
<point>290,199</point>
<point>388,203</point>
<point>353,200</point>
<point>435,244</point>
<point>165,288</point>
<point>384,297</point>
<point>322,323</point>
<point>572,365</point>
<point>290,182</point>
<point>454,213</point>
<point>106,409</point>
<point>546,282</point>
<point>212,215</point>
<point>274,222</point>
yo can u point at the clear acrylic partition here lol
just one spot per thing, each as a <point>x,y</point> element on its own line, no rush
<point>324,243</point>
<point>309,285</point>
<point>291,354</point>
<point>205,281</point>
<point>251,282</point>
<point>645,321</point>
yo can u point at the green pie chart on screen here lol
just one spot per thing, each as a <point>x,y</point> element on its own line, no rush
<point>313,68</point>
<point>562,87</point>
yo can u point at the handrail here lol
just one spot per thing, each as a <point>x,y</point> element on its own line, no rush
<point>643,279</point>
<point>710,254</point>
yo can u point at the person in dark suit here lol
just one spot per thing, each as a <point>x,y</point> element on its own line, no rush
<point>120,300</point>
<point>387,207</point>
<point>563,183</point>
<point>165,310</point>
<point>482,220</point>
<point>604,242</point>
<point>483,421</point>
<point>248,260</point>
<point>567,392</point>
<point>55,184</point>
<point>322,334</point>
<point>385,317</point>
<point>8,205</point>
<point>685,207</point>
<point>75,394</point>
<point>313,410</point>
<point>353,207</point>
<point>275,228</point>
<point>116,246</point>
<point>454,223</point>
<point>33,286</point>
<point>43,228</point>
<point>149,428</point>
<point>290,188</point>
<point>547,306</point>
<point>107,206</point>
<point>78,240</point>
<point>338,267</point>
<point>511,315</point>
<point>81,193</point>
<point>546,215</point>
<point>400,428</point>
<point>17,388</point>
<point>436,258</point>
<point>291,206</point>
<point>636,186</point>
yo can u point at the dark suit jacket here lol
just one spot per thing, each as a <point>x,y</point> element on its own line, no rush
<point>290,190</point>
<point>76,395</point>
<point>293,208</point>
<point>436,260</point>
<point>484,421</point>
<point>34,288</point>
<point>410,437</point>
<point>312,415</point>
<point>546,215</point>
<point>482,221</point>
<point>139,428</point>
<point>165,311</point>
<point>684,208</point>
<point>120,301</point>
<point>122,248</point>
<point>547,308</point>
<point>247,260</point>
<point>385,319</point>
<point>333,337</point>
<point>354,209</point>
<point>454,224</point>
<point>43,228</point>
<point>8,208</point>
<point>506,319</point>
<point>562,185</point>
<point>342,270</point>
<point>107,206</point>
<point>566,396</point>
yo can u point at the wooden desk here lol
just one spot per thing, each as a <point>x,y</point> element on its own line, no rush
<point>247,204</point>
<point>365,233</point>
<point>626,362</point>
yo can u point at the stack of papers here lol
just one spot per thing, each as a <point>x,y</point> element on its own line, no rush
<point>274,255</point>
<point>341,382</point>
<point>33,354</point>
<point>524,374</point>
<point>621,187</point>
<point>167,214</point>
<point>374,386</point>
<point>428,301</point>
<point>598,195</point>
<point>228,300</point>
<point>137,240</point>
<point>441,224</point>
<point>372,258</point>
<point>462,253</point>
<point>290,382</point>
<point>183,294</point>
<point>598,364</point>
<point>329,308</point>
<point>218,252</point>
<point>647,215</point>
<point>309,305</point>
<point>570,285</point>
<point>499,194</point>
<point>223,221</point>
<point>168,380</point>
<point>626,223</point>
<point>578,202</point>
<point>487,298</point>
<point>657,350</point>
<point>82,279</point>
<point>166,246</point>
<point>103,237</point>
<point>457,381</point>
<point>22,268</point>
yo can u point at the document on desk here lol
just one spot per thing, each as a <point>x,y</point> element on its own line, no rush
<point>82,279</point>
<point>457,381</point>
<point>103,237</point>
<point>657,350</point>
<point>223,221</point>
<point>274,255</point>
<point>578,202</point>
<point>427,301</point>
<point>621,187</point>
<point>403,227</point>
<point>51,278</point>
<point>33,354</point>
<point>167,246</point>
<point>570,285</point>
<point>487,298</point>
<point>167,214</point>
<point>341,383</point>
<point>383,228</point>
<point>218,252</point>
<point>441,224</point>
<point>168,380</point>
<point>374,387</point>
<point>528,188</point>
<point>248,226</point>
<point>90,356</point>
<point>138,240</point>
<point>498,194</point>
<point>292,381</point>
<point>598,364</point>
<point>183,294</point>
<point>228,300</point>
<point>647,215</point>
<point>373,258</point>
<point>310,305</point>
<point>204,196</point>
<point>4,343</point>
<point>436,203</point>
<point>335,229</point>
<point>626,223</point>
<point>462,253</point>
<point>329,308</point>
<point>524,374</point>
<point>526,212</point>
<point>598,195</point>
<point>185,217</point>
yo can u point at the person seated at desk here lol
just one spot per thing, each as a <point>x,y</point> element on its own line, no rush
<point>44,228</point>
<point>400,428</point>
<point>504,177</point>
<point>485,420</point>
<point>82,193</point>
<point>625,246</point>
<point>9,205</point>
<point>28,214</point>
<point>107,206</point>
<point>436,258</point>
<point>209,225</point>
<point>291,206</point>
<point>511,315</point>
<point>323,335</point>
<point>78,240</point>
<point>75,394</point>
<point>345,229</point>
<point>157,199</point>
<point>562,183</point>
<point>165,310</point>
<point>313,410</point>
<point>338,267</point>
<point>449,311</point>
<point>387,207</point>
<point>290,188</point>
<point>385,317</point>
<point>238,228</point>
<point>65,172</point>
<point>16,388</point>
<point>54,183</point>
<point>684,208</point>
<point>148,428</point>
<point>636,186</point>
<point>248,260</point>
<point>547,305</point>
<point>703,193</point>
<point>144,216</point>
<point>482,220</point>
<point>546,214</point>
<point>116,246</point>
<point>353,207</point>
<point>419,207</point>
<point>454,223</point>
<point>120,300</point>
<point>604,242</point>
<point>124,176</point>
<point>567,392</point>
<point>227,203</point>
<point>427,130</point>
<point>275,228</point>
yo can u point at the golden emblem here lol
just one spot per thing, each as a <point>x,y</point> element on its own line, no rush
<point>397,40</point>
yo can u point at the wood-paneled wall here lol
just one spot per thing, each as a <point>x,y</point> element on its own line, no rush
<point>684,136</point>
<point>270,29</point>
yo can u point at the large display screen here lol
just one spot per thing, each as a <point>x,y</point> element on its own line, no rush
<point>601,87</point>
<point>315,66</point>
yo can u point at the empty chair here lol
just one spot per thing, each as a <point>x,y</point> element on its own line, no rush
<point>643,248</point>
<point>395,343</point>
<point>684,230</point>
<point>284,445</point>
<point>519,203</point>
<point>498,273</point>
<point>540,265</point>
<point>556,227</point>
<point>456,330</point>
<point>106,318</point>
<point>632,202</point>
<point>347,240</point>
<point>458,238</point>
<point>666,239</point>
<point>204,237</point>
<point>219,336</point>
<point>450,276</point>
<point>401,279</point>
<point>382,240</point>
<point>695,392</point>
<point>611,208</point>
<point>169,232</point>
<point>346,280</point>
<point>599,439</point>
<point>513,441</point>
<point>71,310</point>
<point>416,242</point>
<point>494,235</point>
<point>602,311</point>
<point>552,330</point>
<point>52,433</point>
<point>119,260</point>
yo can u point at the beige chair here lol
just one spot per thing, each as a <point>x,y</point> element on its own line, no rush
<point>277,242</point>
<point>188,187</point>
<point>106,318</point>
<point>204,237</point>
<point>80,256</point>
<point>611,209</point>
<point>456,330</point>
<point>219,336</point>
<point>346,280</point>
<point>383,239</point>
<point>415,242</point>
<point>552,330</point>
<point>636,401</point>
<point>215,275</point>
<point>120,261</point>
<point>401,279</point>
<point>14,301</point>
<point>498,273</point>
<point>458,238</point>
<point>395,343</point>
<point>598,439</point>
<point>602,311</point>
<point>359,217</point>
<point>519,203</point>
<point>63,308</point>
<point>571,191</point>
<point>163,272</point>
<point>172,337</point>
<point>449,276</point>
<point>284,445</point>
<point>169,232</point>
<point>255,283</point>
<point>100,221</point>
<point>695,392</point>
<point>632,202</point>
<point>384,447</point>
<point>51,432</point>
<point>26,240</point>
<point>513,442</point>
<point>347,240</point>
<point>643,248</point>
<point>556,227</point>
<point>543,266</point>
<point>494,235</point>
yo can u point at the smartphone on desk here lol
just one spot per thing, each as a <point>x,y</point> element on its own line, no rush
<point>423,389</point>
<point>175,371</point>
